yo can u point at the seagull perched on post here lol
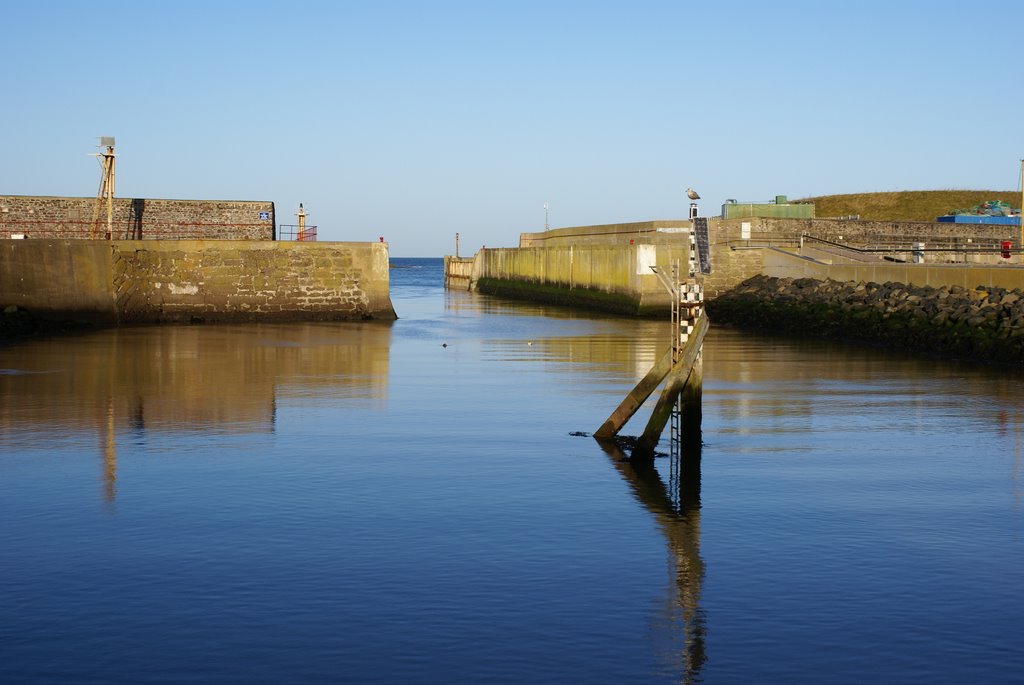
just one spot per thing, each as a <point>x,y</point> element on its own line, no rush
<point>692,194</point>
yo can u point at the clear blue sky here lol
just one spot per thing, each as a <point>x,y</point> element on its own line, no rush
<point>414,120</point>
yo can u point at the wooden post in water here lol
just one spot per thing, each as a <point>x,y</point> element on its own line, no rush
<point>681,366</point>
<point>636,397</point>
<point>683,387</point>
<point>691,408</point>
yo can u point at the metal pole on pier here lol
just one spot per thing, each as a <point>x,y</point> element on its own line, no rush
<point>106,192</point>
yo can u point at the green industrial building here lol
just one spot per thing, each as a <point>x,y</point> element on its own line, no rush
<point>781,208</point>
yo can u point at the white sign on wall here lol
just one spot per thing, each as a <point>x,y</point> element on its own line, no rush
<point>646,257</point>
<point>745,230</point>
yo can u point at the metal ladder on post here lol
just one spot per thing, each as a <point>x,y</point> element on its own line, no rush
<point>689,296</point>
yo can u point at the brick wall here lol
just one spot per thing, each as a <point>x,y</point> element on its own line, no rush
<point>135,218</point>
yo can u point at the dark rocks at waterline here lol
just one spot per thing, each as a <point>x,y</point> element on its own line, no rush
<point>17,324</point>
<point>984,323</point>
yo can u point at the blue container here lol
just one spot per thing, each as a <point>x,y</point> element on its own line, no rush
<point>979,219</point>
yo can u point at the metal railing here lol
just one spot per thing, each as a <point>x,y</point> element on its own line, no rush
<point>292,232</point>
<point>890,246</point>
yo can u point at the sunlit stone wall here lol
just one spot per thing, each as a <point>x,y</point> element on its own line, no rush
<point>195,280</point>
<point>737,246</point>
<point>135,218</point>
<point>602,276</point>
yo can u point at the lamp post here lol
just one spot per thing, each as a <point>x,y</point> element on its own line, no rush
<point>546,214</point>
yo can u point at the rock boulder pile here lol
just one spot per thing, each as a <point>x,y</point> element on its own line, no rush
<point>984,323</point>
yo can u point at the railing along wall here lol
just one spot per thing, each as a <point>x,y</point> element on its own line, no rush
<point>292,232</point>
<point>949,250</point>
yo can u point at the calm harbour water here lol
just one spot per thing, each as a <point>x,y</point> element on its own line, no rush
<point>358,503</point>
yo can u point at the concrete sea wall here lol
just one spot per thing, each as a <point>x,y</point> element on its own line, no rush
<point>809,264</point>
<point>738,246</point>
<point>608,277</point>
<point>603,267</point>
<point>153,281</point>
<point>135,218</point>
<point>984,323</point>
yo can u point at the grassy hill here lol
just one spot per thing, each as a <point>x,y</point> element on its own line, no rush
<point>906,205</point>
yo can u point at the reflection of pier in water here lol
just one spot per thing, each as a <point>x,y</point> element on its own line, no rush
<point>676,507</point>
<point>190,378</point>
<point>626,349</point>
<point>558,335</point>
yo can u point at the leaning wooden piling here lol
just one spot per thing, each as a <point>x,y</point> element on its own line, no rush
<point>676,373</point>
<point>636,397</point>
<point>684,393</point>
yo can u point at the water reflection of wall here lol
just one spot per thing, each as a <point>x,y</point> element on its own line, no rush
<point>745,372</point>
<point>186,378</point>
<point>617,354</point>
<point>619,346</point>
<point>191,377</point>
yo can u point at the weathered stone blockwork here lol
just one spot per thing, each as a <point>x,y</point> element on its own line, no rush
<point>135,219</point>
<point>870,232</point>
<point>738,254</point>
<point>186,281</point>
<point>793,264</point>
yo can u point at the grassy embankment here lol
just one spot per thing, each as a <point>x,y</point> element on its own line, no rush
<point>906,205</point>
